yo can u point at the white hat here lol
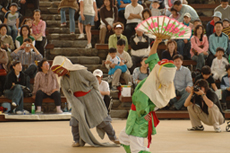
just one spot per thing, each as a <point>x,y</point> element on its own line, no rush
<point>188,15</point>
<point>98,72</point>
<point>118,26</point>
<point>218,14</point>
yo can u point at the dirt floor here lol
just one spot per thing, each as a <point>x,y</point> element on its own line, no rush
<point>55,137</point>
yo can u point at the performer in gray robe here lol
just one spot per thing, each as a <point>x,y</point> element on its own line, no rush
<point>80,88</point>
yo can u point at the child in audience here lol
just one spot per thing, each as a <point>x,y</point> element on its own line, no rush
<point>155,11</point>
<point>146,13</point>
<point>226,23</point>
<point>88,14</point>
<point>207,75</point>
<point>119,64</point>
<point>12,20</point>
<point>174,14</point>
<point>225,86</point>
<point>29,22</point>
<point>218,64</point>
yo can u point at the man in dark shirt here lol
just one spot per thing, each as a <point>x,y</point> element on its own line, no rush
<point>204,105</point>
<point>3,9</point>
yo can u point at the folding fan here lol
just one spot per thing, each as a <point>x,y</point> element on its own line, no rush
<point>165,28</point>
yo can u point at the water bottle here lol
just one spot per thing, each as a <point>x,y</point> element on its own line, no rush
<point>33,109</point>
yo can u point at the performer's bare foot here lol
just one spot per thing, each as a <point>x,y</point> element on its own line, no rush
<point>116,141</point>
<point>75,144</point>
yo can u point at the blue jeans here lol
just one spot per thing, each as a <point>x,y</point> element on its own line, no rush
<point>179,103</point>
<point>13,31</point>
<point>200,60</point>
<point>71,18</point>
<point>184,49</point>
<point>16,95</point>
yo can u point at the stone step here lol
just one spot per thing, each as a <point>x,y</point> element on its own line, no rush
<point>116,103</point>
<point>57,36</point>
<point>53,4</point>
<point>56,23</point>
<point>69,43</point>
<point>119,113</point>
<point>60,29</point>
<point>74,52</point>
<point>85,59</point>
<point>49,10</point>
<point>92,67</point>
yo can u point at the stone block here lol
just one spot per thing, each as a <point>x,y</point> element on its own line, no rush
<point>74,52</point>
<point>119,113</point>
<point>69,43</point>
<point>116,103</point>
<point>84,59</point>
<point>67,36</point>
<point>60,29</point>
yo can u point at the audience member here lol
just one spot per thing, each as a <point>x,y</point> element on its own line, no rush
<point>23,5</point>
<point>140,47</point>
<point>3,9</point>
<point>133,15</point>
<point>174,13</point>
<point>184,45</point>
<point>182,82</point>
<point>115,60</point>
<point>41,91</point>
<point>170,51</point>
<point>196,23</point>
<point>224,8</point>
<point>24,34</point>
<point>199,47</point>
<point>121,8</point>
<point>27,57</point>
<point>169,5</point>
<point>72,6</point>
<point>88,14</point>
<point>39,32</point>
<point>184,8</point>
<point>125,57</point>
<point>109,16</point>
<point>6,41</point>
<point>218,64</point>
<point>207,75</point>
<point>204,105</point>
<point>103,87</point>
<point>29,22</point>
<point>3,69</point>
<point>12,20</point>
<point>142,72</point>
<point>99,4</point>
<point>217,39</point>
<point>13,90</point>
<point>118,28</point>
<point>155,8</point>
<point>210,26</point>
<point>225,87</point>
<point>146,13</point>
<point>226,23</point>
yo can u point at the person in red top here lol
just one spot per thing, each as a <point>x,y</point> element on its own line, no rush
<point>210,26</point>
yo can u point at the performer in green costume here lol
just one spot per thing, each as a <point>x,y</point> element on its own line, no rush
<point>152,93</point>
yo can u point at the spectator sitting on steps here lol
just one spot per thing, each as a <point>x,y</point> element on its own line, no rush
<point>3,67</point>
<point>24,34</point>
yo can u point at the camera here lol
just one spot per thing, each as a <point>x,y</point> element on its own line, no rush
<point>196,88</point>
<point>27,45</point>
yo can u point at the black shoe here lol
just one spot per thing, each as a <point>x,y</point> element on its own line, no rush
<point>224,106</point>
<point>197,128</point>
<point>172,108</point>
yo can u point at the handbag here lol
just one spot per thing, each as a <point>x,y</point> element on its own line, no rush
<point>26,91</point>
<point>3,72</point>
<point>109,20</point>
<point>195,51</point>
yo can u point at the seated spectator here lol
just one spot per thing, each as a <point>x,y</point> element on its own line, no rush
<point>182,83</point>
<point>207,75</point>
<point>118,28</point>
<point>210,26</point>
<point>196,23</point>
<point>72,6</point>
<point>103,87</point>
<point>146,13</point>
<point>13,90</point>
<point>225,87</point>
<point>199,47</point>
<point>133,15</point>
<point>169,5</point>
<point>204,105</point>
<point>39,32</point>
<point>174,14</point>
<point>226,23</point>
<point>140,47</point>
<point>121,8</point>
<point>219,64</point>
<point>24,34</point>
<point>126,59</point>
<point>12,20</point>
<point>184,45</point>
<point>6,40</point>
<point>99,4</point>
<point>23,5</point>
<point>41,91</point>
<point>217,39</point>
<point>29,22</point>
<point>170,51</point>
<point>140,73</point>
<point>3,9</point>
<point>27,57</point>
<point>109,16</point>
<point>184,8</point>
<point>3,69</point>
<point>224,8</point>
<point>155,8</point>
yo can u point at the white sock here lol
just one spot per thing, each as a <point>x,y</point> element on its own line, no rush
<point>39,108</point>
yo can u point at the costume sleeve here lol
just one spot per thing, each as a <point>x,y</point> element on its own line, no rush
<point>152,61</point>
<point>91,78</point>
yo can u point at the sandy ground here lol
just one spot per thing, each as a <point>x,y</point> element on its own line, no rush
<point>55,137</point>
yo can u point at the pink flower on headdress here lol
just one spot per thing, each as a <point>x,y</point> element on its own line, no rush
<point>181,33</point>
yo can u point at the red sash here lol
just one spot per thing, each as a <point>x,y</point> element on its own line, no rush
<point>150,125</point>
<point>80,93</point>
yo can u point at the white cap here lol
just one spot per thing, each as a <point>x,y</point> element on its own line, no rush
<point>188,15</point>
<point>98,72</point>
<point>218,14</point>
<point>118,26</point>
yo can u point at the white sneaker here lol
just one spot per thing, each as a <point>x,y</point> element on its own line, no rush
<point>26,112</point>
<point>217,129</point>
<point>81,36</point>
<point>88,46</point>
<point>14,104</point>
<point>63,24</point>
<point>59,111</point>
<point>19,112</point>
